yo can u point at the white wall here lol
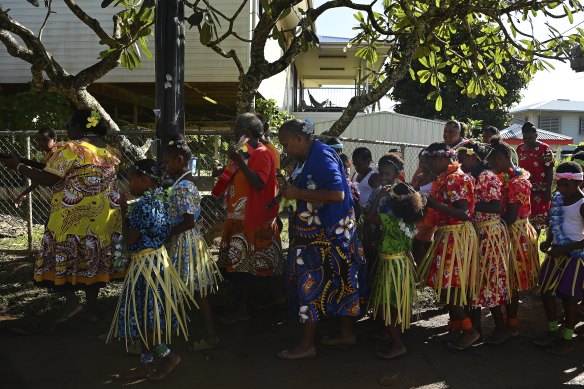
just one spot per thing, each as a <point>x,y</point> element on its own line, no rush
<point>76,47</point>
<point>569,122</point>
<point>390,127</point>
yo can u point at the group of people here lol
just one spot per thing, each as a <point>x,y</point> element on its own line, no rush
<point>359,245</point>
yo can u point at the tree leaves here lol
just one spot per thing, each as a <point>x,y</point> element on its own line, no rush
<point>195,19</point>
<point>206,34</point>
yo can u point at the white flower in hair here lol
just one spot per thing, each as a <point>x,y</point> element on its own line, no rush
<point>308,127</point>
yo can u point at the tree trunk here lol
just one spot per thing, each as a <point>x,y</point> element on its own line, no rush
<point>82,98</point>
<point>246,91</point>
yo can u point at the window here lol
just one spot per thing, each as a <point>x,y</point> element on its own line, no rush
<point>549,123</point>
<point>518,120</point>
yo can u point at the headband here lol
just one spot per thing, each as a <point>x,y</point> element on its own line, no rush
<point>395,165</point>
<point>336,146</point>
<point>155,172</point>
<point>570,176</point>
<point>179,142</point>
<point>440,153</point>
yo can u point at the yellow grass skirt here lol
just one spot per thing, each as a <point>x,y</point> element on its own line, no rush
<point>451,264</point>
<point>194,263</point>
<point>153,298</point>
<point>393,286</point>
<point>493,277</point>
<point>524,260</point>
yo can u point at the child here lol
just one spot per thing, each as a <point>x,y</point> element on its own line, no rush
<point>493,287</point>
<point>422,182</point>
<point>366,175</point>
<point>562,273</point>
<point>450,265</point>
<point>524,258</point>
<point>188,250</point>
<point>45,142</point>
<point>393,286</point>
<point>354,186</point>
<point>154,299</point>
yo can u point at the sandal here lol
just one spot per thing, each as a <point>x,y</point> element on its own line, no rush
<point>202,345</point>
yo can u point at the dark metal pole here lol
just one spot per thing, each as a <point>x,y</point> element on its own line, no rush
<point>170,59</point>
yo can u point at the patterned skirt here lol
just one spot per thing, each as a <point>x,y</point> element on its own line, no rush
<point>258,253</point>
<point>394,288</point>
<point>153,302</point>
<point>540,209</point>
<point>450,265</point>
<point>325,273</point>
<point>194,263</point>
<point>562,276</point>
<point>493,287</point>
<point>524,259</point>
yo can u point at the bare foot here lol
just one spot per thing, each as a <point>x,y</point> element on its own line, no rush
<point>548,339</point>
<point>167,365</point>
<point>499,336</point>
<point>393,352</point>
<point>514,330</point>
<point>204,344</point>
<point>466,340</point>
<point>70,312</point>
<point>564,347</point>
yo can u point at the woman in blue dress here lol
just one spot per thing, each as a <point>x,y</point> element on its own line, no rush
<point>325,257</point>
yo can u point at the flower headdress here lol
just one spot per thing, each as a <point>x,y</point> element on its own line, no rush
<point>449,152</point>
<point>178,142</point>
<point>155,172</point>
<point>308,127</point>
<point>570,176</point>
<point>93,119</point>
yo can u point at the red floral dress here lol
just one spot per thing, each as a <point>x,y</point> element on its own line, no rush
<point>450,187</point>
<point>536,161</point>
<point>517,189</point>
<point>493,287</point>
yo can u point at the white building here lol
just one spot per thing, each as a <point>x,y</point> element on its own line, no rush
<point>564,117</point>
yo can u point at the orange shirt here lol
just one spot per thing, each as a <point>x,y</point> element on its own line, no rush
<point>270,146</point>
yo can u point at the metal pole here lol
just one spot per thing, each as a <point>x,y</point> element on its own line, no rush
<point>169,61</point>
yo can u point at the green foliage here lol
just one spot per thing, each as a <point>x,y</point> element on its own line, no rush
<point>414,95</point>
<point>137,17</point>
<point>32,110</point>
<point>273,114</point>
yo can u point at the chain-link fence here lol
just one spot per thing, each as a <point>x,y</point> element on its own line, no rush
<point>21,227</point>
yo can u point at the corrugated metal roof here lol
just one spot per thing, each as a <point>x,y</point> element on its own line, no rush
<point>513,133</point>
<point>553,105</point>
<point>332,39</point>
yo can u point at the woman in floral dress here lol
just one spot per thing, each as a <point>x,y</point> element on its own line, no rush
<point>493,285</point>
<point>450,265</point>
<point>325,256</point>
<point>84,228</point>
<point>538,159</point>
<point>524,258</point>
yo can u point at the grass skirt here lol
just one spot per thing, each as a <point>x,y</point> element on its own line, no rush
<point>524,259</point>
<point>450,265</point>
<point>153,301</point>
<point>562,276</point>
<point>393,286</point>
<point>493,279</point>
<point>194,263</point>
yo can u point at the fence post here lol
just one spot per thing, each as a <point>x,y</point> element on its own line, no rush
<point>29,210</point>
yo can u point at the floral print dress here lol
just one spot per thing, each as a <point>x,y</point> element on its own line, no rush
<point>325,259</point>
<point>149,216</point>
<point>450,187</point>
<point>536,161</point>
<point>493,244</point>
<point>84,228</point>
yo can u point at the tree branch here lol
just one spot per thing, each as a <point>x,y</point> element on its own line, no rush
<point>49,4</point>
<point>14,48</point>
<point>90,22</point>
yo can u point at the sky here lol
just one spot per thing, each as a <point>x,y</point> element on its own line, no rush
<point>560,83</point>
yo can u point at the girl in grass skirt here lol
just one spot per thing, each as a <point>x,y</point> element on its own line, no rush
<point>153,302</point>
<point>188,250</point>
<point>493,287</point>
<point>562,273</point>
<point>450,265</point>
<point>524,258</point>
<point>393,286</point>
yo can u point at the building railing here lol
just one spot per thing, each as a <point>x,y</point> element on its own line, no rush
<point>324,99</point>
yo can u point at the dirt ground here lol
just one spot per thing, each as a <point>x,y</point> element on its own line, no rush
<point>32,355</point>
